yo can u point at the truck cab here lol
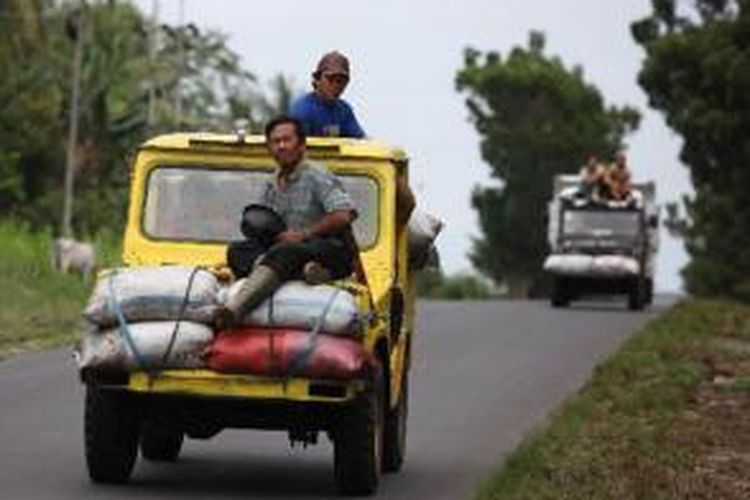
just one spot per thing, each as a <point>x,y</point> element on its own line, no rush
<point>187,192</point>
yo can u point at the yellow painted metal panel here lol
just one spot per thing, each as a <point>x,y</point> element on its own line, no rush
<point>210,384</point>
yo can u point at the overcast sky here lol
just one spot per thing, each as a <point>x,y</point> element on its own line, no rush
<point>405,55</point>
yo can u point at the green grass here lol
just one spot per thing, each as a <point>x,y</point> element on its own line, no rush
<point>40,308</point>
<point>625,435</point>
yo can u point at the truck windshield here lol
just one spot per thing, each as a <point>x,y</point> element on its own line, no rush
<point>601,223</point>
<point>205,204</point>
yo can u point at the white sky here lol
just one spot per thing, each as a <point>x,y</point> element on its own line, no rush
<point>405,55</point>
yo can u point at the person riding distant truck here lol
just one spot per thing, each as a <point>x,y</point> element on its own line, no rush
<point>618,177</point>
<point>600,184</point>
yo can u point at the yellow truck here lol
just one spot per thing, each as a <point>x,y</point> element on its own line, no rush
<point>154,410</point>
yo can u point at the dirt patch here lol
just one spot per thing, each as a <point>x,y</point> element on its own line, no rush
<point>717,427</point>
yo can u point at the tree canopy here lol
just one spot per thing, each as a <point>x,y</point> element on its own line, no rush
<point>137,79</point>
<point>697,73</point>
<point>536,118</point>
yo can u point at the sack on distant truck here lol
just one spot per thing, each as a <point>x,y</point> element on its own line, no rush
<point>569,264</point>
<point>615,265</point>
<point>145,346</point>
<point>299,305</point>
<point>153,294</point>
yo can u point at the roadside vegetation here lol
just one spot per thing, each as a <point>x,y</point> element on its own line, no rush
<point>41,307</point>
<point>433,284</point>
<point>665,418</point>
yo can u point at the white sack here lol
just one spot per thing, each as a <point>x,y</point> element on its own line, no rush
<point>299,305</point>
<point>422,231</point>
<point>615,265</point>
<point>568,264</point>
<point>153,294</point>
<point>110,349</point>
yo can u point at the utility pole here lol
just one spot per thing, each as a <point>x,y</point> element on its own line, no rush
<point>78,32</point>
<point>180,64</point>
<point>152,42</point>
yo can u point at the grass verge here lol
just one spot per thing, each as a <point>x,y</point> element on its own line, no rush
<point>40,307</point>
<point>667,417</point>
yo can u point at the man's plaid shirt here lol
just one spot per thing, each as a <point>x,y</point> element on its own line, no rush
<point>311,192</point>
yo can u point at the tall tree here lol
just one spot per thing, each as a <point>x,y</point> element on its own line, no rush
<point>536,118</point>
<point>697,72</point>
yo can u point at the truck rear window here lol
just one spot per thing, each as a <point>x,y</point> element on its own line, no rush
<point>205,204</point>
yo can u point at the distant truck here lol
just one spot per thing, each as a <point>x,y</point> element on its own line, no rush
<point>602,247</point>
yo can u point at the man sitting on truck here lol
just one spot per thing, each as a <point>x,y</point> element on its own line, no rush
<point>318,213</point>
<point>592,179</point>
<point>618,178</point>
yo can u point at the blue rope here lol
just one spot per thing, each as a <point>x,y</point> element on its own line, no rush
<point>180,315</point>
<point>122,325</point>
<point>303,357</point>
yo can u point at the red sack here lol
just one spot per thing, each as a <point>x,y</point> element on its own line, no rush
<point>284,352</point>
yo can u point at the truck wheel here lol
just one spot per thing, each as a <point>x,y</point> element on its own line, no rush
<point>636,296</point>
<point>560,296</point>
<point>394,439</point>
<point>358,442</point>
<point>649,291</point>
<point>160,444</point>
<point>111,425</point>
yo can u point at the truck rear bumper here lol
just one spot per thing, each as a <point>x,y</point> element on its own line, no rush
<point>201,403</point>
<point>209,384</point>
<point>581,285</point>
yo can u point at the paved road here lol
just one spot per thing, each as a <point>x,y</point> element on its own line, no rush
<point>484,374</point>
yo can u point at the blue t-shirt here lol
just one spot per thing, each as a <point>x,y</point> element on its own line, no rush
<point>326,119</point>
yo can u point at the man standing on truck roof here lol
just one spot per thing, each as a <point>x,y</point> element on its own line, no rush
<point>318,213</point>
<point>322,111</point>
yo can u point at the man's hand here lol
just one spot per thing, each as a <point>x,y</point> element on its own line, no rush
<point>291,237</point>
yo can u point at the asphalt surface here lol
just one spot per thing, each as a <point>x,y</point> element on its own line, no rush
<point>484,375</point>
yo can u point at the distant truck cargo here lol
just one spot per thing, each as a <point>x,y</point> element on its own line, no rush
<point>602,247</point>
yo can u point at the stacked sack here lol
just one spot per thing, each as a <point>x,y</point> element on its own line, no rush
<point>296,304</point>
<point>569,263</point>
<point>300,330</point>
<point>149,318</point>
<point>615,265</point>
<point>589,265</point>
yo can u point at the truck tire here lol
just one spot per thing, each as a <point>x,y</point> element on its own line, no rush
<point>394,439</point>
<point>649,299</point>
<point>636,296</point>
<point>160,444</point>
<point>111,426</point>
<point>560,293</point>
<point>358,442</point>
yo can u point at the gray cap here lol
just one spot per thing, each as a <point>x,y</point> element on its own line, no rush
<point>334,63</point>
